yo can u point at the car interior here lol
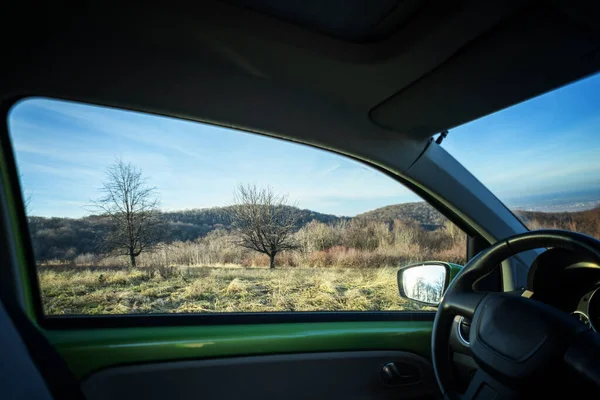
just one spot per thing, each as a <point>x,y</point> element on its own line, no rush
<point>380,82</point>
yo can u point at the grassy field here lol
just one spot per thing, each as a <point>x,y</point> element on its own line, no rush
<point>77,290</point>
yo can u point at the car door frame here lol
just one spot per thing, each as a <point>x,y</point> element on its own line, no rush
<point>91,343</point>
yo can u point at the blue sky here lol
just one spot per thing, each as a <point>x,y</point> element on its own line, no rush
<point>547,145</point>
<point>63,150</point>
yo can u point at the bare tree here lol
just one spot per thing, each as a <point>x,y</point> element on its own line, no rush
<point>131,207</point>
<point>264,220</point>
<point>27,203</point>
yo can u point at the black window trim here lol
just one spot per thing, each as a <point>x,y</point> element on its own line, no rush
<point>147,320</point>
<point>233,318</point>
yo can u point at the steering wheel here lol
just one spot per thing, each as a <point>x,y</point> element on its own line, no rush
<point>515,341</point>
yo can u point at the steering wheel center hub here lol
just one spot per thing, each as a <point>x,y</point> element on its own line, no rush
<point>513,337</point>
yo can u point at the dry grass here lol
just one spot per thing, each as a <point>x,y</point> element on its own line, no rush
<point>73,290</point>
<point>337,268</point>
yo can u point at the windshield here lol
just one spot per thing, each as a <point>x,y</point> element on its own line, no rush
<point>541,157</point>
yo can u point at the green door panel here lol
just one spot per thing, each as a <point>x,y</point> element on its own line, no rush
<point>90,350</point>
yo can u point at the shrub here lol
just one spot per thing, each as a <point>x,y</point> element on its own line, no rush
<point>86,259</point>
<point>255,259</point>
<point>289,259</point>
<point>319,259</point>
<point>317,236</point>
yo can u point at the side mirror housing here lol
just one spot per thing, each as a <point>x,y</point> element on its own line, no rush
<point>427,281</point>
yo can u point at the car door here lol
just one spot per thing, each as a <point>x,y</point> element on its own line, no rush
<point>200,312</point>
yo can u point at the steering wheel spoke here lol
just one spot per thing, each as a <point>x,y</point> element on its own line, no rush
<point>463,304</point>
<point>583,356</point>
<point>482,386</point>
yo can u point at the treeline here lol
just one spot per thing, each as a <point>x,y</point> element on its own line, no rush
<point>358,243</point>
<point>66,238</point>
<point>337,238</point>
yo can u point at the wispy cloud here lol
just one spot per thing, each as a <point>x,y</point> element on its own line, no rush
<point>329,170</point>
<point>141,128</point>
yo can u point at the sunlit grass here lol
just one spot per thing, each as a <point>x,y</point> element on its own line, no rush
<point>219,289</point>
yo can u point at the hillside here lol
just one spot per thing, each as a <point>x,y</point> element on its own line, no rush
<point>191,224</point>
<point>420,212</point>
<point>587,221</point>
<point>60,238</point>
<point>581,221</point>
<point>64,238</point>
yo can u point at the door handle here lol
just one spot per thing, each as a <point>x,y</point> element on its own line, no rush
<point>394,374</point>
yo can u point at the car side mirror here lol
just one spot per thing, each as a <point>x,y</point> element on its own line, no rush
<point>424,282</point>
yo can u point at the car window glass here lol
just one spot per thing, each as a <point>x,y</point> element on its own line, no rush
<point>136,213</point>
<point>540,157</point>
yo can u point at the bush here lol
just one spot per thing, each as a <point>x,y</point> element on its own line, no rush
<point>317,236</point>
<point>255,259</point>
<point>86,259</point>
<point>319,259</point>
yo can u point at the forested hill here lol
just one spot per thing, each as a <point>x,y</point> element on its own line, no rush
<point>191,224</point>
<point>419,212</point>
<point>64,238</point>
<point>587,221</point>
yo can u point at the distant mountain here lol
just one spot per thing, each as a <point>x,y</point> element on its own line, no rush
<point>587,221</point>
<point>574,200</point>
<point>561,207</point>
<point>420,212</point>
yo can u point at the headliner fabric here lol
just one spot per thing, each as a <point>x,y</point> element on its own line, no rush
<point>353,20</point>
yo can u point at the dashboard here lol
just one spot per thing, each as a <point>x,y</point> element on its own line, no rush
<point>571,285</point>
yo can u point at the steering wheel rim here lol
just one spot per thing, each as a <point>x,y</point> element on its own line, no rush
<point>461,300</point>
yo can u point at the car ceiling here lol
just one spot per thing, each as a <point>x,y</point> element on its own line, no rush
<point>345,75</point>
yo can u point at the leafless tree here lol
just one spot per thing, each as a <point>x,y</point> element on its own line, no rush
<point>131,207</point>
<point>428,290</point>
<point>27,202</point>
<point>264,220</point>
